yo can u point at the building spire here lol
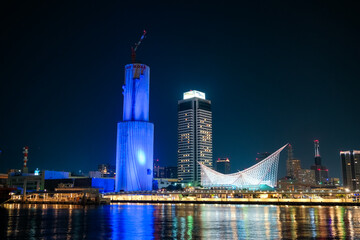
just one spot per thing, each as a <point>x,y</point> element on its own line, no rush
<point>317,152</point>
<point>290,152</point>
<point>316,146</point>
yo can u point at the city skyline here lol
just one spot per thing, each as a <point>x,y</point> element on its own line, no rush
<point>270,82</point>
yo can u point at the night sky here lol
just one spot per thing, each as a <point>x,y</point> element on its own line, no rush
<point>275,73</point>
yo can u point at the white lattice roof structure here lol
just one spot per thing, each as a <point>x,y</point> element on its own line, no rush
<point>262,173</point>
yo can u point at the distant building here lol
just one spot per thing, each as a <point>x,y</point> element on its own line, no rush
<point>55,174</point>
<point>307,177</point>
<point>171,172</point>
<point>159,171</point>
<point>95,174</point>
<point>194,136</point>
<point>333,182</point>
<point>223,165</point>
<point>321,172</point>
<point>3,180</point>
<point>293,166</point>
<point>164,172</point>
<point>350,162</point>
<point>261,156</point>
<point>289,184</point>
<point>107,170</point>
<point>297,177</point>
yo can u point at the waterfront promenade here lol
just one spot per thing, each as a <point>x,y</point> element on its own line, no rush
<point>321,197</point>
<point>313,197</point>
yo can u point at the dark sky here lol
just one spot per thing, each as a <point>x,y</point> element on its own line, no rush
<point>275,73</point>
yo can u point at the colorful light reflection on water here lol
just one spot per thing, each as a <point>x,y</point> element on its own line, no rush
<point>177,221</point>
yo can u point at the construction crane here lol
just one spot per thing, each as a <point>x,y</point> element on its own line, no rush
<point>133,49</point>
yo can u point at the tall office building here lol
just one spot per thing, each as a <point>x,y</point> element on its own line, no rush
<point>350,162</point>
<point>321,172</point>
<point>223,165</point>
<point>293,166</point>
<point>194,136</point>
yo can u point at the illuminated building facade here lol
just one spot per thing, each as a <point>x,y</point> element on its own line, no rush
<point>135,134</point>
<point>194,136</point>
<point>262,174</point>
<point>350,162</point>
<point>223,165</point>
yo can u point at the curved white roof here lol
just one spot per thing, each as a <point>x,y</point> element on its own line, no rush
<point>262,173</point>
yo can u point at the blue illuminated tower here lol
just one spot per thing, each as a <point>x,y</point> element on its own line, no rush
<point>135,134</point>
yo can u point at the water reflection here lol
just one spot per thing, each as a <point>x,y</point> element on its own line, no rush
<point>177,221</point>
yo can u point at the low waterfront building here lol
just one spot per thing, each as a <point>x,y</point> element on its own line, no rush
<point>103,184</point>
<point>64,194</point>
<point>33,181</point>
<point>164,182</point>
<point>26,181</point>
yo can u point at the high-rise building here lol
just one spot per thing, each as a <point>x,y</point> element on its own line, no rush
<point>350,162</point>
<point>194,136</point>
<point>223,165</point>
<point>321,172</point>
<point>293,166</point>
<point>135,135</point>
<point>261,156</point>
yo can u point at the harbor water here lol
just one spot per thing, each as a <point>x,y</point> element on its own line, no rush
<point>178,221</point>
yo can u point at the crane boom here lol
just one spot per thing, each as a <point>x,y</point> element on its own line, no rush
<point>133,49</point>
